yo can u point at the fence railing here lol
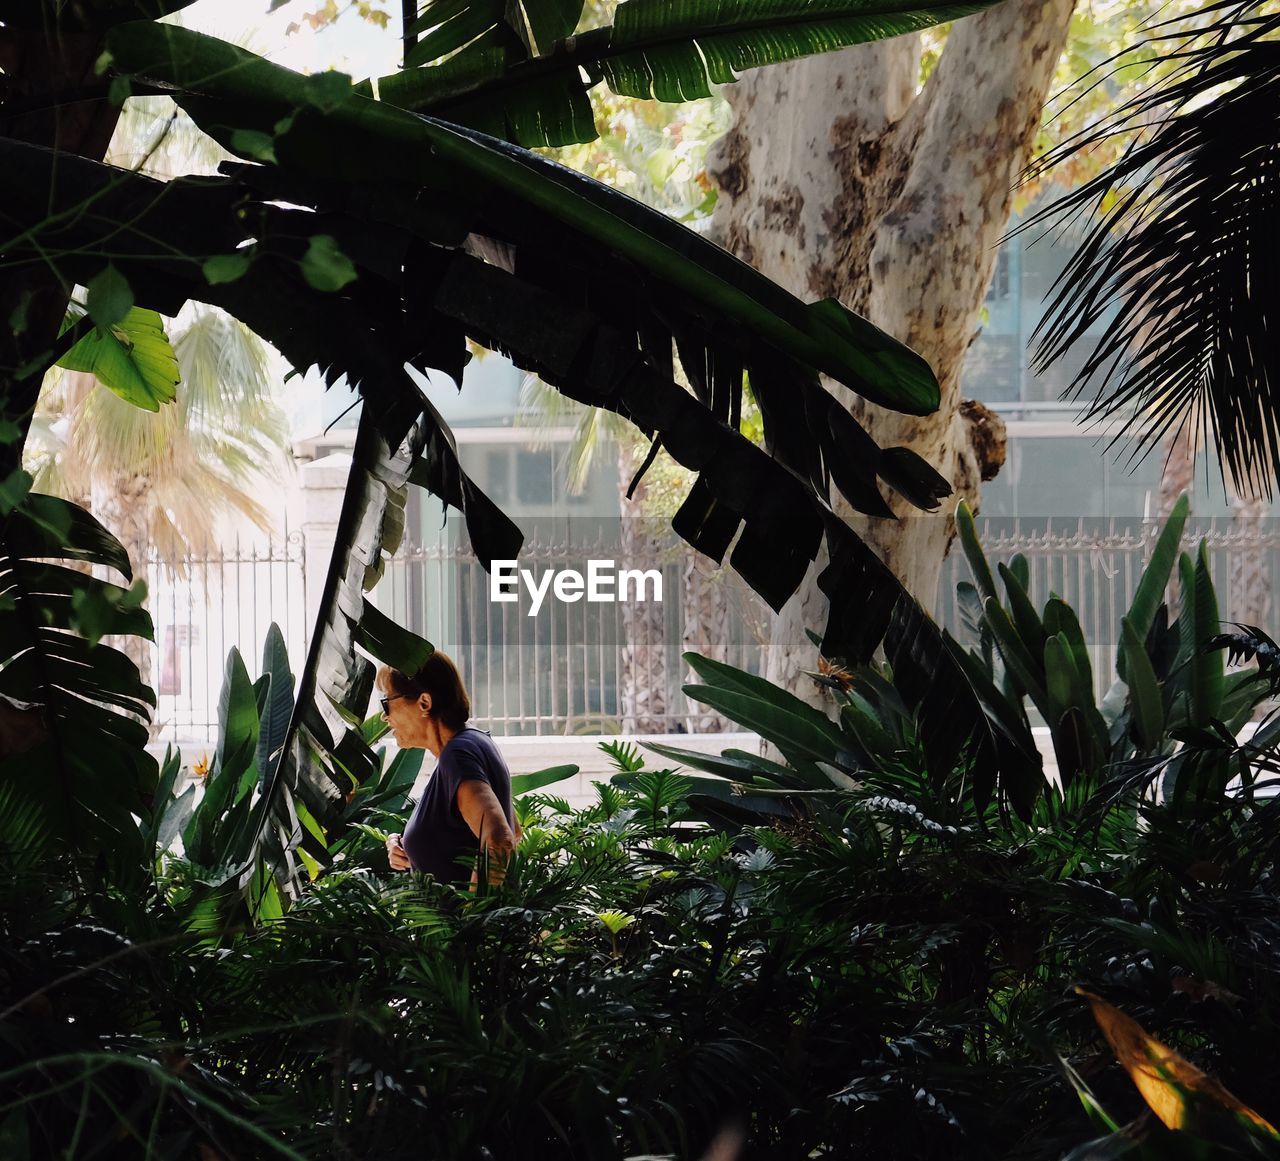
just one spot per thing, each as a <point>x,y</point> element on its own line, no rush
<point>207,605</point>
<point>601,667</point>
<point>580,666</point>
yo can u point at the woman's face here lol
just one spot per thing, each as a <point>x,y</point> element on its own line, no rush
<point>404,714</point>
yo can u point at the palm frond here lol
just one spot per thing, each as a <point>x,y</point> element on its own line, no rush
<point>1177,282</point>
<point>544,409</point>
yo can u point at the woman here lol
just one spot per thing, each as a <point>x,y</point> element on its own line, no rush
<point>466,807</point>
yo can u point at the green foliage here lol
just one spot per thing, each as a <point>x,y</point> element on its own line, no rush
<point>532,90</point>
<point>84,766</point>
<point>130,356</point>
<point>350,235</point>
<point>888,983</point>
<point>1189,147</point>
<point>1174,719</point>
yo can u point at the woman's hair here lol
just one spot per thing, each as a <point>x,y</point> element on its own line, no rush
<point>439,677</point>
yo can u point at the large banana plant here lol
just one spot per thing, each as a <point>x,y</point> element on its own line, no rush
<point>373,242</point>
<point>518,71</point>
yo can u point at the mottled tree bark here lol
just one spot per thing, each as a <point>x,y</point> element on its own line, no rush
<point>706,631</point>
<point>840,179</point>
<point>1178,468</point>
<point>642,675</point>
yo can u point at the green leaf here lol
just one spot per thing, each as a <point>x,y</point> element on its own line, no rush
<point>519,27</point>
<point>238,726</point>
<point>792,733</point>
<point>1060,619</point>
<point>110,297</point>
<point>672,50</point>
<point>328,90</point>
<point>1025,618</point>
<point>1144,691</point>
<point>275,714</point>
<point>132,358</point>
<point>972,548</point>
<point>254,144</point>
<point>119,90</point>
<point>370,141</point>
<point>91,776</point>
<point>734,767</point>
<point>225,268</point>
<point>1149,595</point>
<point>1027,671</point>
<point>98,610</point>
<point>724,676</point>
<point>13,490</point>
<point>528,783</point>
<point>390,643</point>
<point>325,266</point>
<point>1207,666</point>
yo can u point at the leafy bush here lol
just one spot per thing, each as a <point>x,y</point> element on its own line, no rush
<point>843,953</point>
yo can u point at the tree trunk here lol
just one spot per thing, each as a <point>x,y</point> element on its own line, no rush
<point>642,676</point>
<point>706,631</point>
<point>841,180</point>
<point>1249,576</point>
<point>1178,469</point>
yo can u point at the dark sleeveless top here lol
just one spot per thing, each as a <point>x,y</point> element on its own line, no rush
<point>437,837</point>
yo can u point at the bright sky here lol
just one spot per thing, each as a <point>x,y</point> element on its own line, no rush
<point>351,44</point>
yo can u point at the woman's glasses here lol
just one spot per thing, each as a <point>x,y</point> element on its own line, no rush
<point>386,701</point>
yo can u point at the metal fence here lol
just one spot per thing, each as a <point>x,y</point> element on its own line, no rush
<point>582,667</point>
<point>207,604</point>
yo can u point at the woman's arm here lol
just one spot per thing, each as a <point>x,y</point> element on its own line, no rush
<point>483,813</point>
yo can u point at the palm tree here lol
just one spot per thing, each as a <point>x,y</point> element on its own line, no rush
<point>1182,259</point>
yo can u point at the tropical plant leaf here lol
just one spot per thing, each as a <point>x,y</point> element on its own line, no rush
<point>1201,624</point>
<point>131,357</point>
<point>959,718</point>
<point>91,774</point>
<point>278,708</point>
<point>1174,1089</point>
<point>1149,595</point>
<point>391,643</point>
<point>536,316</point>
<point>316,770</point>
<point>1144,691</point>
<point>528,783</point>
<point>729,677</point>
<point>669,50</point>
<point>361,138</point>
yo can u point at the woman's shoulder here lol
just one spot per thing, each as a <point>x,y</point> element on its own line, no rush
<point>470,738</point>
